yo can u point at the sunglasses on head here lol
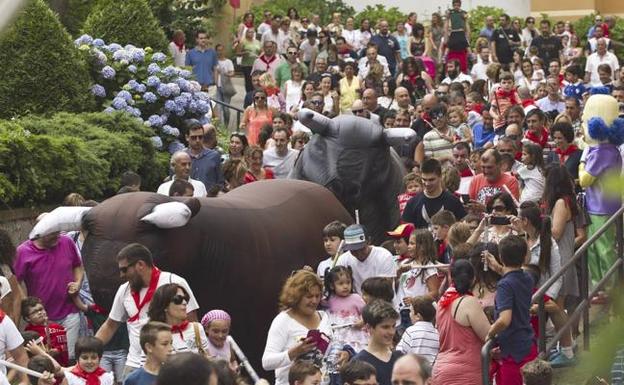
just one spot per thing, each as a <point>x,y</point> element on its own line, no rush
<point>179,299</point>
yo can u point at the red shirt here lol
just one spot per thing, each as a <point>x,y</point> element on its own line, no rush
<point>249,177</point>
<point>403,199</point>
<point>55,338</point>
<point>482,190</point>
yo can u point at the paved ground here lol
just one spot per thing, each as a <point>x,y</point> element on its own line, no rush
<point>237,100</point>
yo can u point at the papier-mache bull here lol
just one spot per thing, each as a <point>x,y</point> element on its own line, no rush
<point>235,251</point>
<point>353,157</point>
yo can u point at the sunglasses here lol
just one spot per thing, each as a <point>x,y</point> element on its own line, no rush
<point>317,102</point>
<point>357,111</point>
<point>292,52</point>
<point>259,97</point>
<point>499,208</point>
<point>179,299</point>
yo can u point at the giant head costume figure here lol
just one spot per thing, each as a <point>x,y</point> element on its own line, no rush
<point>352,156</point>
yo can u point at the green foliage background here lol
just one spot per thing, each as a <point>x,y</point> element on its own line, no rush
<point>72,13</point>
<point>324,8</point>
<point>41,70</point>
<point>377,12</point>
<point>187,15</point>
<point>126,22</point>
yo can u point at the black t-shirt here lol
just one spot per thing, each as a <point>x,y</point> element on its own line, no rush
<point>384,369</point>
<point>420,208</point>
<point>502,38</point>
<point>548,48</point>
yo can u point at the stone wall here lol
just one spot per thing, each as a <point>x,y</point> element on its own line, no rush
<point>19,222</point>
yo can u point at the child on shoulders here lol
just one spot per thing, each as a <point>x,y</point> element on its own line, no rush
<point>333,234</point>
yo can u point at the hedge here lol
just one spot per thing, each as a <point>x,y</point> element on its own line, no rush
<point>41,70</point>
<point>125,22</point>
<point>72,13</point>
<point>44,159</point>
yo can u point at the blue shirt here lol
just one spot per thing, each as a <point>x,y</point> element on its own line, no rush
<point>575,90</point>
<point>387,47</point>
<point>513,292</point>
<point>204,63</point>
<point>480,136</point>
<point>140,377</point>
<point>206,167</point>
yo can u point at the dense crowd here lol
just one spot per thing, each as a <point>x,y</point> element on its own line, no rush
<point>500,191</point>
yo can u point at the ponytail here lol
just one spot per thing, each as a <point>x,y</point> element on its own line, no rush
<point>462,274</point>
<point>543,225</point>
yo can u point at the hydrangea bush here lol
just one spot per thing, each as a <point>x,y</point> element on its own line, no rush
<point>144,84</point>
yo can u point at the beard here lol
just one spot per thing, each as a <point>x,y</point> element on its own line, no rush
<point>136,284</point>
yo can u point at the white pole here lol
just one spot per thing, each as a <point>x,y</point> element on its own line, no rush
<point>357,216</point>
<point>244,361</point>
<point>22,369</point>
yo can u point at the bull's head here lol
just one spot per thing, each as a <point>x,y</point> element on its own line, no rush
<point>352,156</point>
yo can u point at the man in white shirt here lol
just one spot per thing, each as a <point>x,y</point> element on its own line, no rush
<point>479,69</point>
<point>276,34</point>
<point>454,74</point>
<point>280,159</point>
<point>552,101</point>
<point>133,299</point>
<point>181,164</point>
<point>266,24</point>
<point>366,261</point>
<point>601,56</point>
<point>371,57</point>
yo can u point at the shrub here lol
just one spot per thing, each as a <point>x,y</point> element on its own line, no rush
<point>126,22</point>
<point>72,13</point>
<point>43,159</point>
<point>375,13</point>
<point>582,25</point>
<point>323,8</point>
<point>476,19</point>
<point>41,69</point>
<point>187,15</point>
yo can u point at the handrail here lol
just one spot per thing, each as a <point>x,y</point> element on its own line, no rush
<point>485,361</point>
<point>231,107</point>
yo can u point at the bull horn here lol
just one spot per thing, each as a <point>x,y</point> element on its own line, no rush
<point>398,136</point>
<point>317,123</point>
<point>64,218</point>
<point>169,215</point>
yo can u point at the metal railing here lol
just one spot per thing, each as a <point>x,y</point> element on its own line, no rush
<point>231,107</point>
<point>583,307</point>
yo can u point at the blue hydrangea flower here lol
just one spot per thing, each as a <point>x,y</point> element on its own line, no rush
<point>129,47</point>
<point>108,110</point>
<point>155,121</point>
<point>167,129</point>
<point>141,88</point>
<point>108,72</point>
<point>192,107</point>
<point>185,74</point>
<point>153,69</point>
<point>183,84</point>
<point>100,58</point>
<point>119,103</point>
<point>98,91</point>
<point>181,101</point>
<point>132,69</point>
<point>138,55</point>
<point>157,142</point>
<point>164,90</point>
<point>134,112</point>
<point>174,88</point>
<point>175,146</point>
<point>132,84</point>
<point>114,47</point>
<point>180,111</point>
<point>202,96</point>
<point>84,39</point>
<point>127,96</point>
<point>120,55</point>
<point>98,43</point>
<point>159,57</point>
<point>171,71</point>
<point>170,106</point>
<point>149,97</point>
<point>203,107</point>
<point>153,81</point>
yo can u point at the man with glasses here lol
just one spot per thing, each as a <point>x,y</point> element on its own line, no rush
<point>132,300</point>
<point>269,60</point>
<point>283,71</point>
<point>265,26</point>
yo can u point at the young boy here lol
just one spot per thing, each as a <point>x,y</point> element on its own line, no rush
<point>422,337</point>
<point>304,373</point>
<point>413,186</point>
<point>380,319</point>
<point>441,222</point>
<point>87,370</point>
<point>505,96</point>
<point>356,370</point>
<point>400,237</point>
<point>157,344</point>
<point>605,74</point>
<point>333,234</point>
<point>377,288</point>
<point>574,87</point>
<point>54,335</point>
<point>512,328</point>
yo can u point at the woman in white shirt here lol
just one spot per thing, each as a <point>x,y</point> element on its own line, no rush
<point>177,48</point>
<point>352,36</point>
<point>225,71</point>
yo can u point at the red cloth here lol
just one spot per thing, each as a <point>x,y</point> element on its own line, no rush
<point>249,177</point>
<point>449,296</point>
<point>92,378</point>
<point>466,172</point>
<point>403,199</point>
<point>235,4</point>
<point>507,370</point>
<point>148,296</point>
<point>511,95</point>
<point>527,102</point>
<point>54,337</point>
<point>564,155</point>
<point>542,140</point>
<point>180,328</point>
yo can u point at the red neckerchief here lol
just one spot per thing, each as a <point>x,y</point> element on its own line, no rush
<point>413,78</point>
<point>425,116</point>
<point>449,296</point>
<point>92,378</point>
<point>180,328</point>
<point>441,249</point>
<point>148,296</point>
<point>528,102</point>
<point>403,257</point>
<point>476,107</point>
<point>2,314</point>
<point>542,140</point>
<point>511,95</point>
<point>98,309</point>
<point>563,155</point>
<point>270,91</point>
<point>518,156</point>
<point>248,24</point>
<point>263,59</point>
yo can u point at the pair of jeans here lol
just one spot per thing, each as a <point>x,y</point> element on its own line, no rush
<point>115,361</point>
<point>71,323</point>
<point>224,112</point>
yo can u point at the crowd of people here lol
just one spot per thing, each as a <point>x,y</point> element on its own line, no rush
<point>498,196</point>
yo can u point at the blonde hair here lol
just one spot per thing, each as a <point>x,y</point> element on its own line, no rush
<point>459,111</point>
<point>267,81</point>
<point>458,233</point>
<point>451,178</point>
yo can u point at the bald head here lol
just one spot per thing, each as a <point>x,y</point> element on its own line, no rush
<point>401,95</point>
<point>411,369</point>
<point>429,101</point>
<point>181,164</point>
<point>369,97</point>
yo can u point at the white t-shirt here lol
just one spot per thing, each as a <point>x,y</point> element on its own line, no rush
<point>199,189</point>
<point>285,333</point>
<point>223,67</point>
<point>107,378</point>
<point>379,263</point>
<point>10,339</point>
<point>533,182</point>
<point>124,308</point>
<point>320,270</point>
<point>3,379</point>
<point>5,287</point>
<point>594,60</point>
<point>413,283</point>
<point>462,77</point>
<point>186,342</point>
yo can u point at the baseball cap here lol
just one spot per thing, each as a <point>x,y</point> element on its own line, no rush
<point>402,231</point>
<point>354,238</point>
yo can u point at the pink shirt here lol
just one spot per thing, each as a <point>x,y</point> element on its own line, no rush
<point>344,307</point>
<point>46,274</point>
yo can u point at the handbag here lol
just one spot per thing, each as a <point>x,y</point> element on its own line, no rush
<point>227,87</point>
<point>198,342</point>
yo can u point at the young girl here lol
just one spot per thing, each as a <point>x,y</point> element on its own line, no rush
<point>275,99</point>
<point>531,173</point>
<point>538,72</point>
<point>345,307</point>
<point>457,124</point>
<point>216,324</point>
<point>292,87</point>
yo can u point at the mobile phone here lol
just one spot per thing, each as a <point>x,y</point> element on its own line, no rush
<point>320,339</point>
<point>465,198</point>
<point>495,220</point>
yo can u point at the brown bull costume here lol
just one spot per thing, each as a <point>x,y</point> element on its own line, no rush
<point>235,252</point>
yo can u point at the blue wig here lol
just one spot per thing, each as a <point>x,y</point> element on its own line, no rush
<point>598,129</point>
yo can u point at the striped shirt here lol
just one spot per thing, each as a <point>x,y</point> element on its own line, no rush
<point>617,370</point>
<point>421,338</point>
<point>436,146</point>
